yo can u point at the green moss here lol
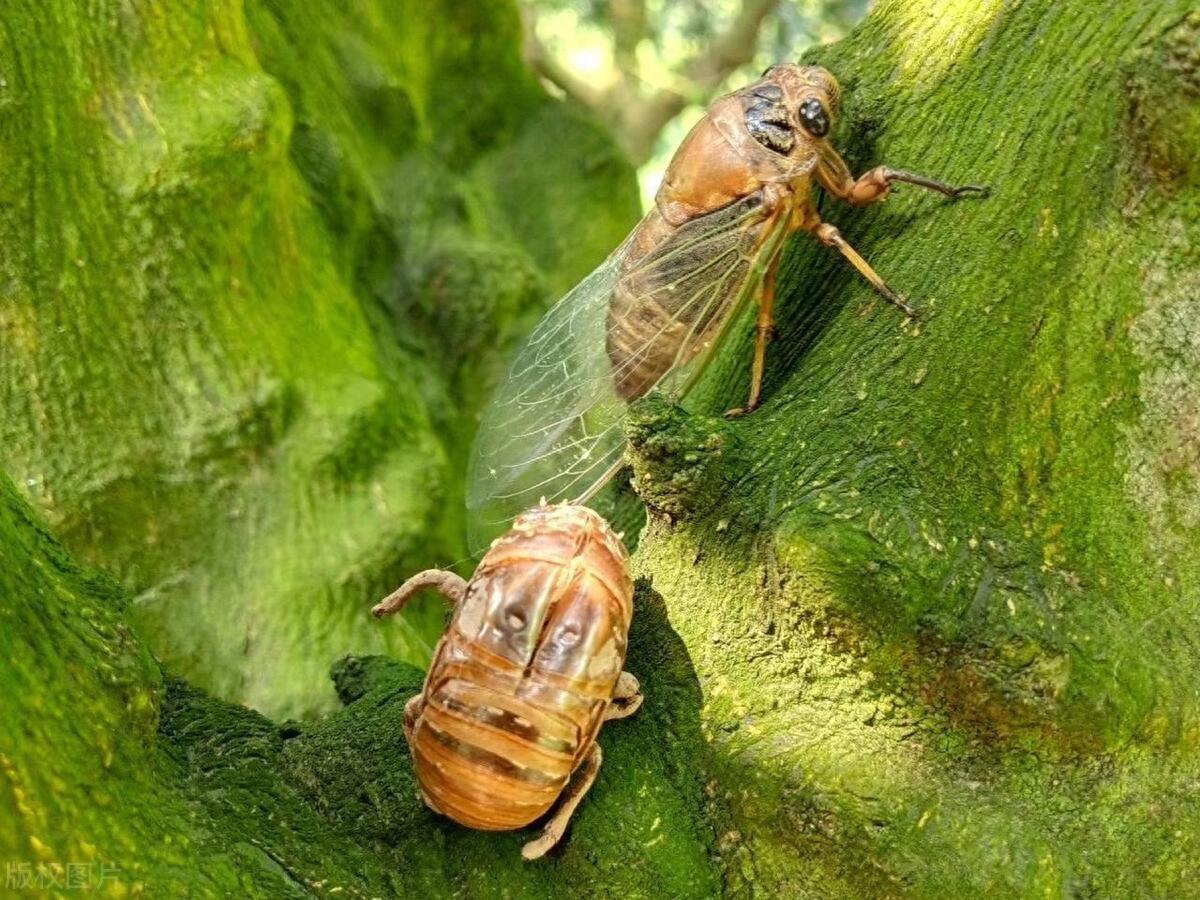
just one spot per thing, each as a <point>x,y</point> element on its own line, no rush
<point>82,788</point>
<point>678,460</point>
<point>107,763</point>
<point>239,239</point>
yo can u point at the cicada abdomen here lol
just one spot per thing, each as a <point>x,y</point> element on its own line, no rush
<point>668,305</point>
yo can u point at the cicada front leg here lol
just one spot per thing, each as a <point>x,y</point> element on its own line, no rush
<point>877,183</point>
<point>834,175</point>
<point>449,585</point>
<point>452,588</point>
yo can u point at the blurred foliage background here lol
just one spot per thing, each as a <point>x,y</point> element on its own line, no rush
<point>648,68</point>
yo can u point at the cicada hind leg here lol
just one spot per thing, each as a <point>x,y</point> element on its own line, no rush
<point>556,827</point>
<point>763,333</point>
<point>626,700</point>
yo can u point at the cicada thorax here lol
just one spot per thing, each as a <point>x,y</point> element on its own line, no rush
<point>520,683</point>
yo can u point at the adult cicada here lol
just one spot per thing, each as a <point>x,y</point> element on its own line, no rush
<point>649,317</point>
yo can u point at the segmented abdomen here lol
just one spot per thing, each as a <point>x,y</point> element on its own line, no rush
<point>520,683</point>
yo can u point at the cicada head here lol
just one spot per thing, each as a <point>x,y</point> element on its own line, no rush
<point>791,108</point>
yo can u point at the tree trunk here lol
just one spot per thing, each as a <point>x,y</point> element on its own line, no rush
<point>234,238</point>
<point>923,625</point>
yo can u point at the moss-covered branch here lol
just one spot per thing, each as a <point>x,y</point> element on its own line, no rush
<point>105,762</point>
<point>944,612</point>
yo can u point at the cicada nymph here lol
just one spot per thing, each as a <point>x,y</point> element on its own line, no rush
<point>529,669</point>
<point>650,315</point>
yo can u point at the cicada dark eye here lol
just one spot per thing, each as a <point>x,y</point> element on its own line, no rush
<point>814,118</point>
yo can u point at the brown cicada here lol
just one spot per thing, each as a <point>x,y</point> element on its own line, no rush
<point>528,671</point>
<point>651,314</point>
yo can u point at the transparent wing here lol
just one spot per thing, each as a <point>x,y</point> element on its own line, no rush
<point>554,428</point>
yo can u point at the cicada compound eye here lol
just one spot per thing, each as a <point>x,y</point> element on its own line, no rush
<point>813,117</point>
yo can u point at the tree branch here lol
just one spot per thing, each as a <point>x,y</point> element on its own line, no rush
<point>629,27</point>
<point>542,61</point>
<point>732,49</point>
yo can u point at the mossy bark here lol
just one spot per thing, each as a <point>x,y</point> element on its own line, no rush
<point>923,625</point>
<point>943,598</point>
<point>234,241</point>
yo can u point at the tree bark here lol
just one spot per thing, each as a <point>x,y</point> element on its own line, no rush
<point>923,625</point>
<point>941,591</point>
<point>235,239</point>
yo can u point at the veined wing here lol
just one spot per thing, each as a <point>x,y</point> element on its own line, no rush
<point>554,428</point>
